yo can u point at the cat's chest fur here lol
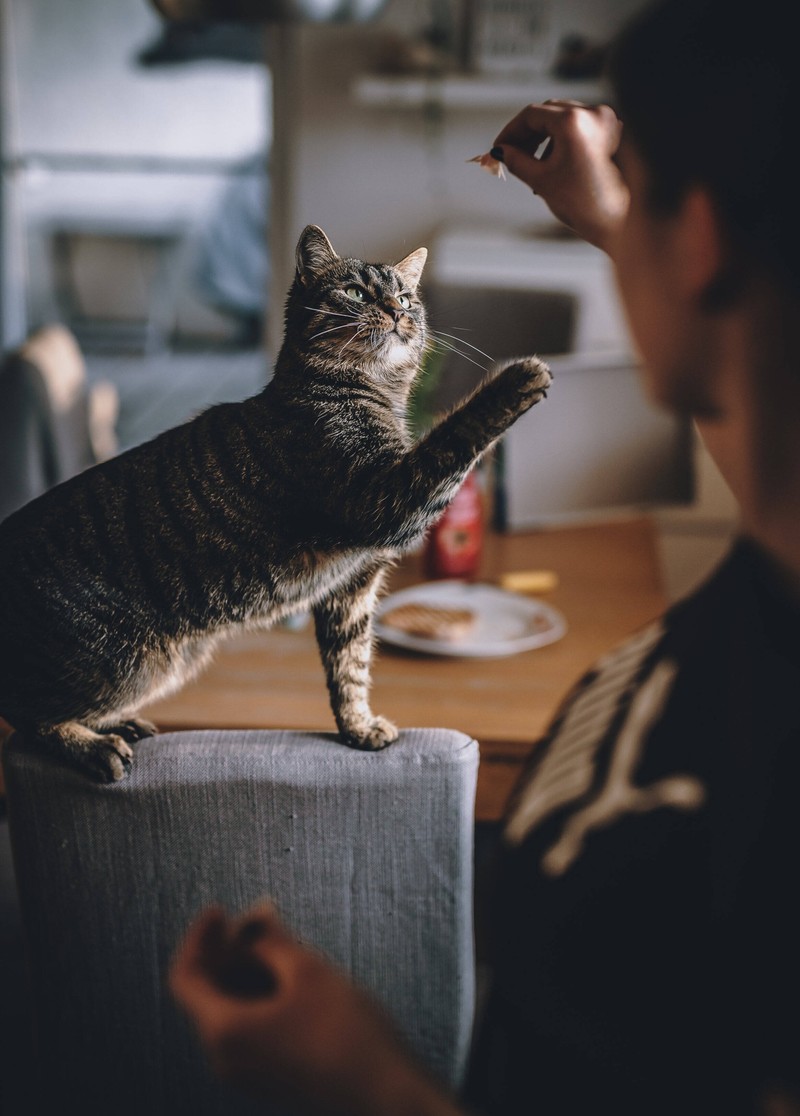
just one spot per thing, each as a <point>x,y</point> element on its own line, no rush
<point>323,458</point>
<point>314,575</point>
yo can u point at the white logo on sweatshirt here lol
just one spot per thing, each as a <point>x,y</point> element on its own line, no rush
<point>567,771</point>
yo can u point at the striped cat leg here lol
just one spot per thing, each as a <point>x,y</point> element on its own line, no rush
<point>105,755</point>
<point>344,634</point>
<point>439,463</point>
<point>395,504</point>
<point>458,440</point>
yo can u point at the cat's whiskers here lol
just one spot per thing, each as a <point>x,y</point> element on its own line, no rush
<point>442,333</point>
<point>444,346</point>
<point>322,332</point>
<point>350,340</point>
<point>333,313</point>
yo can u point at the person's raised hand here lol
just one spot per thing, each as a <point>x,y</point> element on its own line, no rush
<point>278,1021</point>
<point>565,152</point>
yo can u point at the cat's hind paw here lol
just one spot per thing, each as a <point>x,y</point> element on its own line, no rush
<point>376,734</point>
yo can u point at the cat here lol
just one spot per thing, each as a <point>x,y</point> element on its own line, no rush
<point>116,584</point>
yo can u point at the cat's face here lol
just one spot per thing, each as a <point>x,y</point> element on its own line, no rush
<point>357,313</point>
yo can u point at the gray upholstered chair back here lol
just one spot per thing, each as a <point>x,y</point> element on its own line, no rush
<point>368,857</point>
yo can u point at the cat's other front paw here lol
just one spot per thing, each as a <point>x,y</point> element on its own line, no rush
<point>372,736</point>
<point>133,729</point>
<point>526,379</point>
<point>105,756</point>
<point>110,760</point>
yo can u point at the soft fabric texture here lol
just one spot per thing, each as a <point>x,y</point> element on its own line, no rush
<point>368,856</point>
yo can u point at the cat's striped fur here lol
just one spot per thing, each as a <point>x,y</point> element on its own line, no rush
<point>115,586</point>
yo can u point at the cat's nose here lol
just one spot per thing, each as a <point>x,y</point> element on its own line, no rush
<point>393,308</point>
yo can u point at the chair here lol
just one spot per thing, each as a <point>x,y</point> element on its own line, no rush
<point>53,423</point>
<point>367,855</point>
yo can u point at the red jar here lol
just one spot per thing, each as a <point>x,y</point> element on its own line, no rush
<point>453,547</point>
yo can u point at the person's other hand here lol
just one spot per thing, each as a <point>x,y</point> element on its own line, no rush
<point>565,152</point>
<point>280,1022</point>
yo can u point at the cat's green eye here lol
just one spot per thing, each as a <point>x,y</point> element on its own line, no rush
<point>355,293</point>
<point>404,301</point>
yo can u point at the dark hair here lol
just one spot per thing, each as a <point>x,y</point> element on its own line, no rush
<point>708,92</point>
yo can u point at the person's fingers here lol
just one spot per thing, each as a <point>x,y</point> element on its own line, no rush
<point>565,102</point>
<point>260,938</point>
<point>289,963</point>
<point>528,141</point>
<point>258,922</point>
<point>202,944</point>
<point>238,967</point>
<point>524,166</point>
<point>528,129</point>
<point>228,969</point>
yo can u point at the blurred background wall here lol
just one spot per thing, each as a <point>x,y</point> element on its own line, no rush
<point>155,177</point>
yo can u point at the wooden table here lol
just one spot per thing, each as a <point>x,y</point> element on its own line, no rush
<point>609,584</point>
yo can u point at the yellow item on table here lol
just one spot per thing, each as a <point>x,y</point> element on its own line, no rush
<point>529,581</point>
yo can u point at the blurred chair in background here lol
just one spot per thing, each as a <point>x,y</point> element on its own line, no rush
<point>52,424</point>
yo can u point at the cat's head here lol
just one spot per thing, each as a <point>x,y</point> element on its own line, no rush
<point>356,313</point>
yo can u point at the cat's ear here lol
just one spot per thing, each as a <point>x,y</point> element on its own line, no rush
<point>314,253</point>
<point>411,267</point>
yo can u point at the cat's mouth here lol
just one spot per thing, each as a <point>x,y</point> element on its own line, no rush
<point>388,335</point>
<point>394,338</point>
<point>396,347</point>
<point>400,328</point>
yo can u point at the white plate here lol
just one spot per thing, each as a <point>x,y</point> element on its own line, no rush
<point>505,622</point>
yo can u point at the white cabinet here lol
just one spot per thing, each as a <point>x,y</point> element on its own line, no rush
<point>692,536</point>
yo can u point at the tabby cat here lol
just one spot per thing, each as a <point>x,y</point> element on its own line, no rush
<point>116,585</point>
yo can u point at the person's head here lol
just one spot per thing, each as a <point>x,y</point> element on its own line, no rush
<point>707,94</point>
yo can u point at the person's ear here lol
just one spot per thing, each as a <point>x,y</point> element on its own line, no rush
<point>707,264</point>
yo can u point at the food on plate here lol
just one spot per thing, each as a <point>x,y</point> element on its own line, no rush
<point>430,621</point>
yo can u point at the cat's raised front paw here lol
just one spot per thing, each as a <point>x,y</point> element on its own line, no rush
<point>376,734</point>
<point>528,378</point>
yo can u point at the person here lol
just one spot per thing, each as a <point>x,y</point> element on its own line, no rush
<point>642,926</point>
